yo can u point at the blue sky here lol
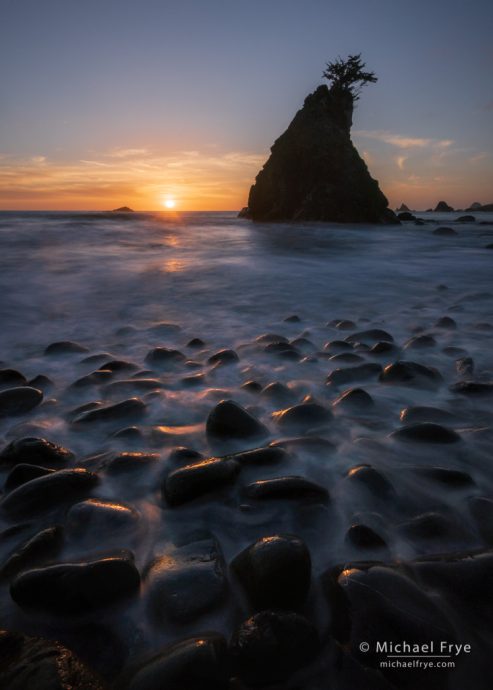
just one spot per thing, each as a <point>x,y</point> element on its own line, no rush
<point>133,101</point>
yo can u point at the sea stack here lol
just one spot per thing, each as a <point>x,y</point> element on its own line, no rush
<point>315,173</point>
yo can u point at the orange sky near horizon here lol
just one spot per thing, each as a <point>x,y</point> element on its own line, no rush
<point>417,172</point>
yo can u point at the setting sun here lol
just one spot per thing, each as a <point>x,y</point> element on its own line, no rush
<point>169,202</point>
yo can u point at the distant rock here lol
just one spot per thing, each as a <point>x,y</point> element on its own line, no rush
<point>403,209</point>
<point>442,207</point>
<point>315,173</point>
<point>466,219</point>
<point>123,209</point>
<point>488,208</point>
<point>475,206</point>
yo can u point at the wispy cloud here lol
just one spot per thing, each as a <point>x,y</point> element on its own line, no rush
<point>400,160</point>
<point>197,180</point>
<point>403,142</point>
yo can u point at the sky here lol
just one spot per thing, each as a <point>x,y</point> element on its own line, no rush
<point>106,103</point>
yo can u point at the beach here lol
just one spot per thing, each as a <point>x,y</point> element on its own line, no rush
<point>135,328</point>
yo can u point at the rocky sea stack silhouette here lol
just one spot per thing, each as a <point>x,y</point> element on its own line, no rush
<point>314,172</point>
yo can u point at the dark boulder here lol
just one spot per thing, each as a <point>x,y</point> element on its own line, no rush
<point>130,409</point>
<point>10,378</point>
<point>19,400</point>
<point>447,323</point>
<point>164,358</point>
<point>270,646</point>
<point>473,388</point>
<point>41,547</point>
<point>370,336</point>
<point>32,663</point>
<point>405,373</point>
<point>347,375</point>
<point>420,342</point>
<point>464,366</point>
<point>406,215</point>
<point>275,572</point>
<point>420,414</point>
<point>223,357</point>
<point>192,481</point>
<point>426,432</point>
<point>303,417</point>
<point>35,451</point>
<point>199,663</point>
<point>370,479</point>
<point>100,519</point>
<point>291,487</point>
<point>315,173</point>
<point>65,347</point>
<point>22,473</point>
<point>466,219</point>
<point>269,455</point>
<point>48,492</point>
<point>354,399</point>
<point>364,537</point>
<point>186,581</point>
<point>228,420</point>
<point>76,588</point>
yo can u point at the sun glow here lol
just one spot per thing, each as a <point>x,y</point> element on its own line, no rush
<point>169,202</point>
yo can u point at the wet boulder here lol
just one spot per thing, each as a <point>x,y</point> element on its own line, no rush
<point>481,509</point>
<point>22,473</point>
<point>348,375</point>
<point>35,451</point>
<point>65,347</point>
<point>303,417</point>
<point>420,342</point>
<point>268,455</point>
<point>76,588</point>
<point>10,378</point>
<point>473,388</point>
<point>277,392</point>
<point>370,479</point>
<point>186,581</point>
<point>364,537</point>
<point>447,323</point>
<point>426,432</point>
<point>445,232</point>
<point>223,357</point>
<point>337,346</point>
<point>229,421</point>
<point>453,479</point>
<point>48,492</point>
<point>421,413</point>
<point>33,663</point>
<point>292,487</point>
<point>429,527</point>
<point>370,336</point>
<point>271,645</point>
<point>275,572</point>
<point>19,400</point>
<point>380,604</point>
<point>354,399</point>
<point>164,358</point>
<point>100,519</point>
<point>43,546</point>
<point>198,663</point>
<point>406,373</point>
<point>129,461</point>
<point>195,480</point>
<point>464,366</point>
<point>130,409</point>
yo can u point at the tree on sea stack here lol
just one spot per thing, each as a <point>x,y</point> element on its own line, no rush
<point>314,172</point>
<point>349,75</point>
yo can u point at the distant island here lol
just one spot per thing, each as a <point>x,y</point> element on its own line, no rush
<point>123,209</point>
<point>314,172</point>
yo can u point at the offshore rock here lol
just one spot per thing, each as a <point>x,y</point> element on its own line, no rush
<point>315,173</point>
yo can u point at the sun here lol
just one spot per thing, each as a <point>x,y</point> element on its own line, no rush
<point>169,202</point>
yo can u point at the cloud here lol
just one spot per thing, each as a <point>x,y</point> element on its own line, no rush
<point>197,180</point>
<point>403,142</point>
<point>400,160</point>
<point>126,153</point>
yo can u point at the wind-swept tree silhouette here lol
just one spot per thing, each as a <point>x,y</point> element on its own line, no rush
<point>348,75</point>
